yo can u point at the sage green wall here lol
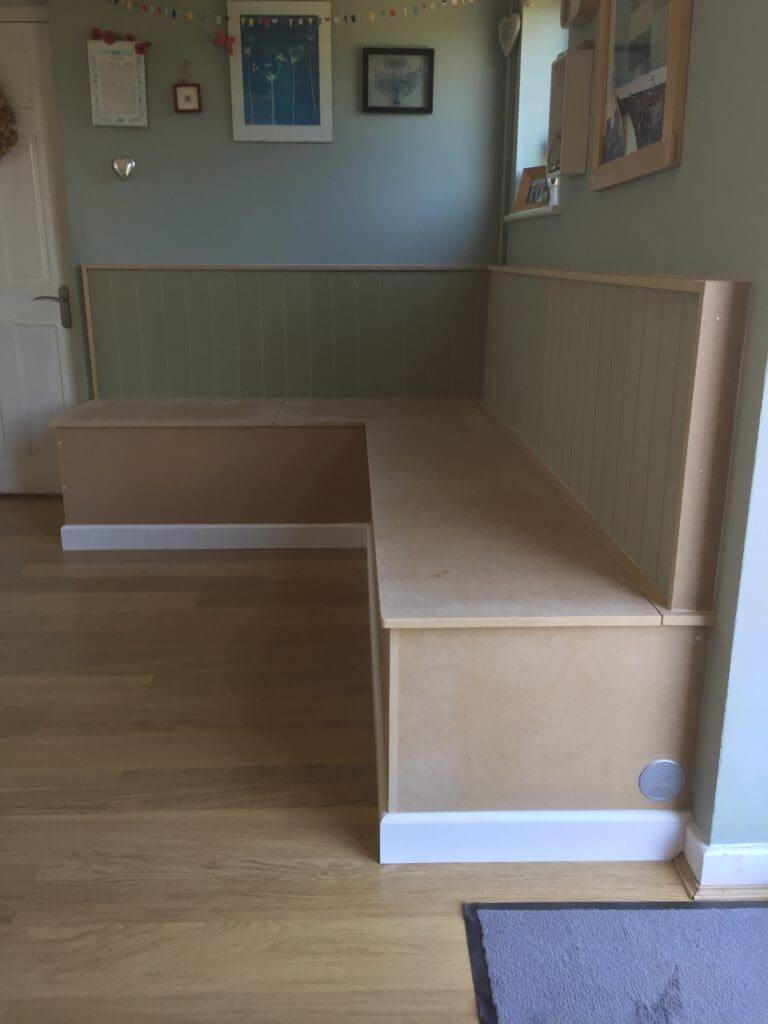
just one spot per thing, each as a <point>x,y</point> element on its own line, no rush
<point>706,219</point>
<point>388,190</point>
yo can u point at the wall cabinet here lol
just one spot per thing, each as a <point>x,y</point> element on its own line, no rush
<point>570,89</point>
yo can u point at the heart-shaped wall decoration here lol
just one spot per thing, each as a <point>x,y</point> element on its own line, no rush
<point>509,30</point>
<point>123,167</point>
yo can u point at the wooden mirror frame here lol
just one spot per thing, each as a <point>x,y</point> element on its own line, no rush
<point>666,153</point>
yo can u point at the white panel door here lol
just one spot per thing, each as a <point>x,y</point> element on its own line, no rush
<point>38,357</point>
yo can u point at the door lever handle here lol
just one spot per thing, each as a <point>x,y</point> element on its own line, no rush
<point>63,300</point>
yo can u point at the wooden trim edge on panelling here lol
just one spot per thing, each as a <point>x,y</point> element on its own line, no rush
<point>90,335</point>
<point>393,784</point>
<point>662,283</point>
<point>713,399</point>
<point>319,268</point>
<point>378,709</point>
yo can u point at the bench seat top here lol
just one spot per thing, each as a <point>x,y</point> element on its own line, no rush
<point>467,533</point>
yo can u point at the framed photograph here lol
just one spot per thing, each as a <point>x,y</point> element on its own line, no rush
<point>533,190</point>
<point>118,85</point>
<point>187,98</point>
<point>642,69</point>
<point>398,81</point>
<point>281,71</point>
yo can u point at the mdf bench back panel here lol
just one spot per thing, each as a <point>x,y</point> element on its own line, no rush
<point>625,390</point>
<point>285,333</point>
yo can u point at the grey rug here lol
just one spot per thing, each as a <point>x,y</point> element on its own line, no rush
<point>619,963</point>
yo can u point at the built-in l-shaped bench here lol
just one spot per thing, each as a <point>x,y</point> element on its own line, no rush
<point>542,563</point>
<point>522,680</point>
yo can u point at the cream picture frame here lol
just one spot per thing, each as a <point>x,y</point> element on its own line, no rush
<point>280,71</point>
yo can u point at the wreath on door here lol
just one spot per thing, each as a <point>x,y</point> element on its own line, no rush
<point>8,133</point>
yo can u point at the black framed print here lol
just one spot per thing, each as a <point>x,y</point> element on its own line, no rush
<point>398,80</point>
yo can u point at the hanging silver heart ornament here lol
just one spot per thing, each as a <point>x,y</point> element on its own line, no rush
<point>123,167</point>
<point>509,30</point>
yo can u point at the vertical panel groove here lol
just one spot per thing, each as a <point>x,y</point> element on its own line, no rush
<point>261,336</point>
<point>284,312</point>
<point>141,337</point>
<point>117,338</point>
<point>189,334</point>
<point>165,338</point>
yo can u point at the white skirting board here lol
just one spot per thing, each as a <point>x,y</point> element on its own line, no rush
<point>469,837</point>
<point>725,864</point>
<point>212,536</point>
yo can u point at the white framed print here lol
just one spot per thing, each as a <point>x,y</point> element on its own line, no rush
<point>118,85</point>
<point>281,71</point>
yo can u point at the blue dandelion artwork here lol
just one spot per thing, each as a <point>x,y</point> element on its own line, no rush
<point>281,70</point>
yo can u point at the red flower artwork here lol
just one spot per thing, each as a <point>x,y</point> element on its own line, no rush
<point>141,48</point>
<point>109,38</point>
<point>95,33</point>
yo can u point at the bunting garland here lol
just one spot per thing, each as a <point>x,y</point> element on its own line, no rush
<point>223,39</point>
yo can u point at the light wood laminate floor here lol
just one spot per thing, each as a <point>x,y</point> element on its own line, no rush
<point>187,799</point>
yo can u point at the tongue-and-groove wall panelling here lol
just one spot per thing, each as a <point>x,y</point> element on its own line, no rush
<point>624,389</point>
<point>286,333</point>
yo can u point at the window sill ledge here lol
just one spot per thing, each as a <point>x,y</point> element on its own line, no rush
<point>542,211</point>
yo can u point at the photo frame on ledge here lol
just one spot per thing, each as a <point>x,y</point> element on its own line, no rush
<point>533,190</point>
<point>280,71</point>
<point>642,70</point>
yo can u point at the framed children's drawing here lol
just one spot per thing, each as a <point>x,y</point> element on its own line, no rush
<point>281,70</point>
<point>118,85</point>
<point>642,69</point>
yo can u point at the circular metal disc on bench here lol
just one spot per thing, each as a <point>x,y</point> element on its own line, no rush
<point>662,780</point>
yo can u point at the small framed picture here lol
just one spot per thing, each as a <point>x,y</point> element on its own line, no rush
<point>533,190</point>
<point>188,98</point>
<point>398,81</point>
